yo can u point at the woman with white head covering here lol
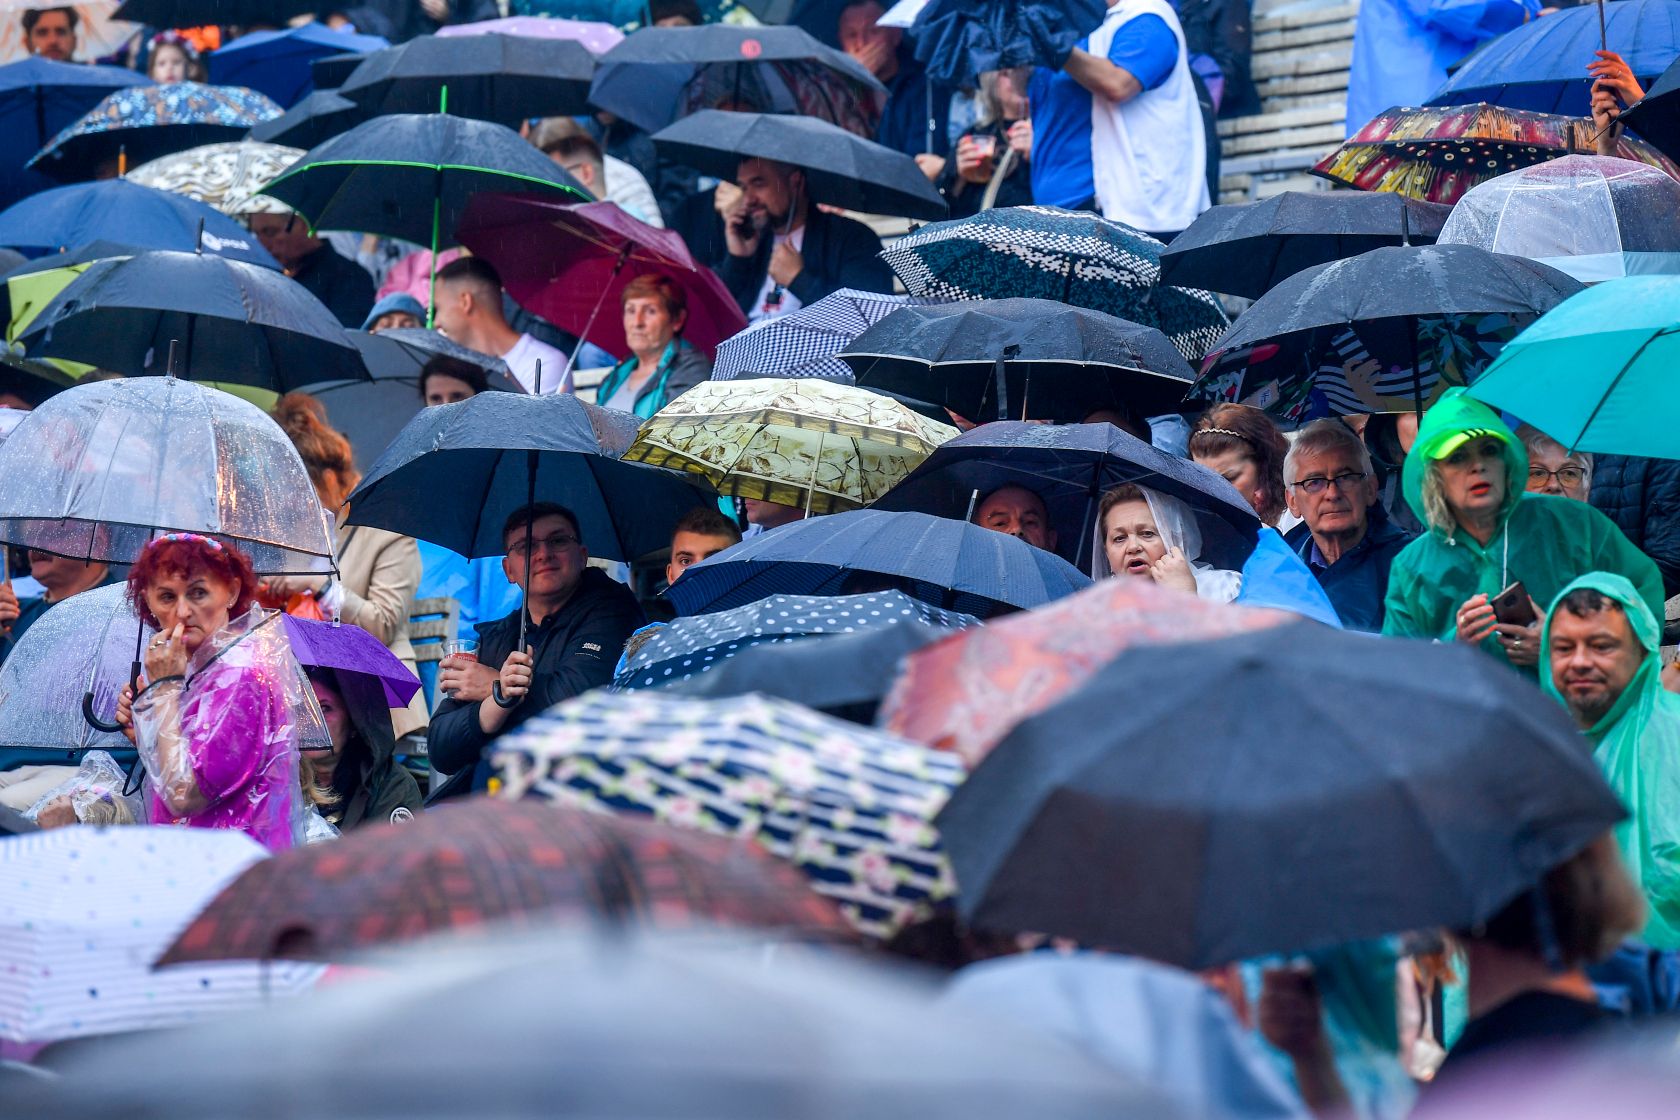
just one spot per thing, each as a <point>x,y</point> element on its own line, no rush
<point>1149,535</point>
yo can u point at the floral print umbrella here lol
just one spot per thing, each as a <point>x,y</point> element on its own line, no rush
<point>801,442</point>
<point>225,176</point>
<point>142,123</point>
<point>849,807</point>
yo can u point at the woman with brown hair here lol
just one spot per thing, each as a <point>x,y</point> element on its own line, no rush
<point>378,571</point>
<point>662,365</point>
<point>1243,445</point>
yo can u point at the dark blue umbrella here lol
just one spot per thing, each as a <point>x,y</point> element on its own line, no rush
<point>314,120</point>
<point>1071,466</point>
<point>130,214</point>
<point>958,40</point>
<point>1656,116</point>
<point>141,123</point>
<point>277,63</point>
<point>1542,65</point>
<point>39,98</point>
<point>946,563</point>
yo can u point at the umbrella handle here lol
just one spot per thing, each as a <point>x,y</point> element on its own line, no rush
<point>93,719</point>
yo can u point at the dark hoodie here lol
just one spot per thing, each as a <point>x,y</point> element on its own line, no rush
<point>371,787</point>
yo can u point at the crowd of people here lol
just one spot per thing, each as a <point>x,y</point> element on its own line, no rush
<point>1450,523</point>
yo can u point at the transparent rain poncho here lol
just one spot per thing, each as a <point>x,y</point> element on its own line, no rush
<point>1177,526</point>
<point>1593,217</point>
<point>95,791</point>
<point>221,747</point>
<point>94,472</point>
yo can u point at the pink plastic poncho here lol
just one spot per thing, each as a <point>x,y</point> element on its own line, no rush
<point>226,740</point>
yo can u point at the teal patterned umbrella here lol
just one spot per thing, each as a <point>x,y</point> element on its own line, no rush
<point>143,123</point>
<point>1042,252</point>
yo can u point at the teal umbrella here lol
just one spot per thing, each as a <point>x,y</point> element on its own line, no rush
<point>1596,373</point>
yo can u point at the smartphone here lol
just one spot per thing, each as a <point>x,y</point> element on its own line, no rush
<point>1512,606</point>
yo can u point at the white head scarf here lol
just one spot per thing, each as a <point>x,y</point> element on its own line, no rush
<point>1177,526</point>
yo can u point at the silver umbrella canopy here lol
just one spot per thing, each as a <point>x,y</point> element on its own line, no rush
<point>82,647</point>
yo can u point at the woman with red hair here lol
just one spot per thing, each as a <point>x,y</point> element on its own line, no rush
<point>217,719</point>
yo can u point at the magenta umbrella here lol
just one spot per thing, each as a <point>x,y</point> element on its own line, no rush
<point>344,648</point>
<point>597,38</point>
<point>568,262</point>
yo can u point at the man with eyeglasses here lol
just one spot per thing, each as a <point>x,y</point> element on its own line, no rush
<point>580,618</point>
<point>1345,536</point>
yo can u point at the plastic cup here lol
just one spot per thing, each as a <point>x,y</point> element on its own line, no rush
<point>462,649</point>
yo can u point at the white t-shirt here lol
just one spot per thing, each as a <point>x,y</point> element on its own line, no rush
<point>522,361</point>
<point>790,302</point>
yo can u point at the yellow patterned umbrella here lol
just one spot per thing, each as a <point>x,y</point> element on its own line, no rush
<point>801,442</point>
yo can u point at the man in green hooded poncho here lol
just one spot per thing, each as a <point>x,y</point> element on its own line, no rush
<point>1465,478</point>
<point>1600,648</point>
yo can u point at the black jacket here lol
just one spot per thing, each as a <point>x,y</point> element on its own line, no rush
<point>344,286</point>
<point>576,650</point>
<point>1642,496</point>
<point>838,252</point>
<point>369,784</point>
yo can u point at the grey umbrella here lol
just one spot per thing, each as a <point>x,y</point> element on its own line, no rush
<point>699,1027</point>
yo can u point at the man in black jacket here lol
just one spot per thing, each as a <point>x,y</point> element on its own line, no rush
<point>784,253</point>
<point>580,619</point>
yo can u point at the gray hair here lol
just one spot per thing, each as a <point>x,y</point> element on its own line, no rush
<point>1319,437</point>
<point>1538,443</point>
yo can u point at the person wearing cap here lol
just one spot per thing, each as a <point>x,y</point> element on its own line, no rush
<point>1465,478</point>
<point>394,312</point>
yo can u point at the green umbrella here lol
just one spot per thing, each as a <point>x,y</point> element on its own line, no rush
<point>1596,373</point>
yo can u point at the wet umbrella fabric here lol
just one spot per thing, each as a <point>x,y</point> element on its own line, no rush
<point>1541,65</point>
<point>849,807</point>
<point>1020,359</point>
<point>350,650</point>
<point>598,37</point>
<point>120,211</point>
<point>226,176</point>
<point>1071,466</point>
<point>1386,331</point>
<point>100,468</point>
<point>1432,750</point>
<point>236,323</point>
<point>958,40</point>
<point>513,863</point>
<point>500,78</point>
<point>1041,252</point>
<point>142,123</point>
<point>806,342</point>
<point>199,13</point>
<point>456,472</point>
<point>1656,116</point>
<point>660,74</point>
<point>276,63</point>
<point>40,97</point>
<point>841,168</point>
<point>945,563</point>
<point>1247,249</point>
<point>314,120</point>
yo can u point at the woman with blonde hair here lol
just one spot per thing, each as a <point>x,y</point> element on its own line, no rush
<point>378,571</point>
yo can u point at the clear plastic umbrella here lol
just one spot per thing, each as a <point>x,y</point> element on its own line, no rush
<point>80,651</point>
<point>1593,217</point>
<point>98,470</point>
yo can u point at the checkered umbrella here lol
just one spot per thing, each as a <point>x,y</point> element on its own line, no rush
<point>804,343</point>
<point>1045,253</point>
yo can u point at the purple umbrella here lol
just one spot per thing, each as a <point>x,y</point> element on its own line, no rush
<point>597,38</point>
<point>344,648</point>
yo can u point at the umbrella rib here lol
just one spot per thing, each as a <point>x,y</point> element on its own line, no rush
<point>1611,388</point>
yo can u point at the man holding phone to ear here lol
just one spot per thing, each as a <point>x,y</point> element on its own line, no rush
<point>785,252</point>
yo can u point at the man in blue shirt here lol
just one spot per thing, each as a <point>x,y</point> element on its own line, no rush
<point>1141,58</point>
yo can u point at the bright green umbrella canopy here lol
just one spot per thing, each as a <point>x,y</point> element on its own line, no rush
<point>1597,372</point>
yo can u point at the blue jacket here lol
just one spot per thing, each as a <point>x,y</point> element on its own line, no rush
<point>1358,581</point>
<point>1642,496</point>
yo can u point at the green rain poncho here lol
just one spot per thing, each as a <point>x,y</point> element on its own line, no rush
<point>1637,745</point>
<point>1545,541</point>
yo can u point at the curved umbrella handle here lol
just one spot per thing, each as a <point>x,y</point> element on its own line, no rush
<point>92,717</point>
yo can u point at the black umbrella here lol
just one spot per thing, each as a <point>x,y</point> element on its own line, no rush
<point>199,13</point>
<point>501,78</point>
<point>401,351</point>
<point>841,168</point>
<point>1271,793</point>
<point>236,323</point>
<point>314,120</point>
<point>1656,116</point>
<point>1246,249</point>
<point>1386,331</point>
<point>456,472</point>
<point>1070,466</point>
<point>1021,359</point>
<point>331,72</point>
<point>660,74</point>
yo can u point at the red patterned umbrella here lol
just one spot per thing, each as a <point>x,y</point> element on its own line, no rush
<point>508,862</point>
<point>1439,152</point>
<point>966,692</point>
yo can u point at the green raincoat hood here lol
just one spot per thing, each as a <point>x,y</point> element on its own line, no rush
<point>1451,418</point>
<point>1637,745</point>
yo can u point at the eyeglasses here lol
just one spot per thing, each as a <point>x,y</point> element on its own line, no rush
<point>556,543</point>
<point>1318,484</point>
<point>1568,477</point>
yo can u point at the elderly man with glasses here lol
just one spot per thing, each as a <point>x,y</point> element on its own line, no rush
<point>1345,537</point>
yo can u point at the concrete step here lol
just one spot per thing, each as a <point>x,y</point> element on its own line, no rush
<point>1319,139</point>
<point>1325,113</point>
<point>1333,59</point>
<point>1290,19</point>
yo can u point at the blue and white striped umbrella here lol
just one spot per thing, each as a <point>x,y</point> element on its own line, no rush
<point>85,911</point>
<point>849,806</point>
<point>804,343</point>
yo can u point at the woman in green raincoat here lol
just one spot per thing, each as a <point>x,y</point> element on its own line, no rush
<point>1465,479</point>
<point>1636,741</point>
